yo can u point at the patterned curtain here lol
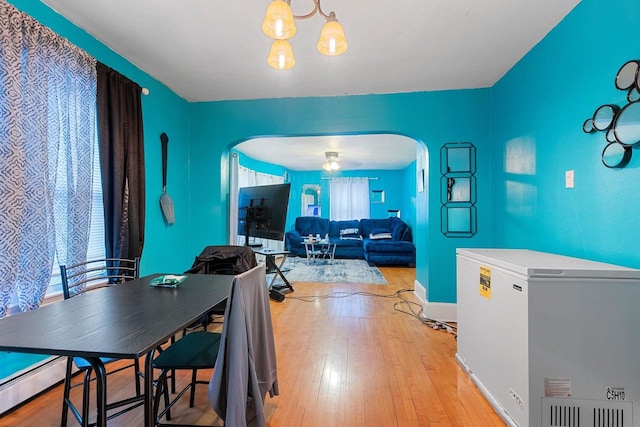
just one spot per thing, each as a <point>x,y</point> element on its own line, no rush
<point>47,128</point>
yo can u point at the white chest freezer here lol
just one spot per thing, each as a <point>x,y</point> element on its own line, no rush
<point>550,340</point>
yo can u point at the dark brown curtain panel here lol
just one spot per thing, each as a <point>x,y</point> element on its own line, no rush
<point>122,162</point>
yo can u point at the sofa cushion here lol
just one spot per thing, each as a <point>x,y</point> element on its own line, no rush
<point>347,243</point>
<point>388,246</point>
<point>399,231</point>
<point>367,225</point>
<point>306,225</point>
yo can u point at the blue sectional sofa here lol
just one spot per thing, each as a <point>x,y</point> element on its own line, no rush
<point>386,241</point>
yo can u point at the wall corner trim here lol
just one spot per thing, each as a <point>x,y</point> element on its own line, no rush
<point>440,311</point>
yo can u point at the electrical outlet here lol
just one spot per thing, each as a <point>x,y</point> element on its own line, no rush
<point>568,179</point>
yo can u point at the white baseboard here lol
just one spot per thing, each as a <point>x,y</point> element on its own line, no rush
<point>29,384</point>
<point>420,291</point>
<point>440,311</point>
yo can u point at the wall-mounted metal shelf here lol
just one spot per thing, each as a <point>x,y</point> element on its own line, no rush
<point>458,214</point>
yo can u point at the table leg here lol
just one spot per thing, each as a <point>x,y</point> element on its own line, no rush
<point>101,390</point>
<point>148,390</point>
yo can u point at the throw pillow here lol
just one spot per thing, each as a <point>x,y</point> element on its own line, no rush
<point>350,233</point>
<point>380,233</point>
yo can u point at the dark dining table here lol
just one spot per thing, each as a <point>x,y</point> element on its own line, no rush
<point>125,321</point>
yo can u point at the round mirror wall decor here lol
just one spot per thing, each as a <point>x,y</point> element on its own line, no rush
<point>633,95</point>
<point>627,75</point>
<point>627,125</point>
<point>587,126</point>
<point>616,155</point>
<point>603,117</point>
<point>621,125</point>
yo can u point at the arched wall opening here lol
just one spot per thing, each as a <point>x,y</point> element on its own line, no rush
<point>378,148</point>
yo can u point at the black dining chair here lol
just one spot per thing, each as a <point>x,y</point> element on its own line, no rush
<point>205,350</point>
<point>220,259</point>
<point>78,279</point>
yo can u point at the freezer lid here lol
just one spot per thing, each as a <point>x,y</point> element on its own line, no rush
<point>543,265</point>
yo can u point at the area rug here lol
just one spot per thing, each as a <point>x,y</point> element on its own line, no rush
<point>336,271</point>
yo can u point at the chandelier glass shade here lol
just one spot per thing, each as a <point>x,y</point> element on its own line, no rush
<point>279,24</point>
<point>281,55</point>
<point>332,41</point>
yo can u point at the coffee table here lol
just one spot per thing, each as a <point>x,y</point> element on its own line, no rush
<point>319,249</point>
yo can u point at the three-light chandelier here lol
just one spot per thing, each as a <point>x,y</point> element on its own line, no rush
<point>279,25</point>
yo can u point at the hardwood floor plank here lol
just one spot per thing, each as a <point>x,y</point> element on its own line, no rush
<point>342,361</point>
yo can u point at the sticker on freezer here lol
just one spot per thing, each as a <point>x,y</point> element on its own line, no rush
<point>485,281</point>
<point>557,387</point>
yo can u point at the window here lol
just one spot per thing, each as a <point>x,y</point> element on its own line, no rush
<point>96,235</point>
<point>250,178</point>
<point>349,198</point>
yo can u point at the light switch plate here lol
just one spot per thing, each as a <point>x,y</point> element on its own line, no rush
<point>568,179</point>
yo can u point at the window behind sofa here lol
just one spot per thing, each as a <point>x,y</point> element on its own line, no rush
<point>349,198</point>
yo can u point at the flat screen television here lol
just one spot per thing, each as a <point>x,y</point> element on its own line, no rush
<point>262,211</point>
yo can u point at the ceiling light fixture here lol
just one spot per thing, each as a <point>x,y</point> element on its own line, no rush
<point>332,161</point>
<point>279,25</point>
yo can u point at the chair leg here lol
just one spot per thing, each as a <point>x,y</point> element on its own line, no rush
<point>192,397</point>
<point>66,392</point>
<point>85,397</point>
<point>162,388</point>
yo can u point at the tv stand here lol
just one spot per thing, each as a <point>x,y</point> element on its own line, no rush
<point>276,269</point>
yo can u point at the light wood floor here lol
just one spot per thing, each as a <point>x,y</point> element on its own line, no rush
<point>342,361</point>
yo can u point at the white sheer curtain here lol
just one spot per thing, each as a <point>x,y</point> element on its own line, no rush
<point>244,177</point>
<point>349,198</point>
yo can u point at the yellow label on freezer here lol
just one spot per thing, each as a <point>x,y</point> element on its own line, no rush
<point>485,281</point>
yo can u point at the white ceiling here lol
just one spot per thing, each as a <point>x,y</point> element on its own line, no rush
<point>356,152</point>
<point>207,50</point>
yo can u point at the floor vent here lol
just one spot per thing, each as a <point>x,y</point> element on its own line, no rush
<point>557,412</point>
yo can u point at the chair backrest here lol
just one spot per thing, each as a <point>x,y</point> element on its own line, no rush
<point>245,369</point>
<point>92,274</point>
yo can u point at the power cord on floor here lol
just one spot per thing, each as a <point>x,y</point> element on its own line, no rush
<point>418,314</point>
<point>409,306</point>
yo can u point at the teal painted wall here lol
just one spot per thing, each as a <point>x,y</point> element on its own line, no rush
<point>433,119</point>
<point>166,248</point>
<point>408,198</point>
<point>538,111</point>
